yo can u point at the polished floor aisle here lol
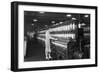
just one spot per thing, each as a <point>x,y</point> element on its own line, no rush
<point>37,52</point>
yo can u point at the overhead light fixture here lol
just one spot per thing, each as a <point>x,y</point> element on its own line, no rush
<point>83,24</point>
<point>32,24</point>
<point>86,15</point>
<point>73,18</point>
<point>35,20</point>
<point>57,24</point>
<point>60,22</point>
<point>52,21</point>
<point>68,15</point>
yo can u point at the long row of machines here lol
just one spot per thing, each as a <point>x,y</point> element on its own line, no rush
<point>64,33</point>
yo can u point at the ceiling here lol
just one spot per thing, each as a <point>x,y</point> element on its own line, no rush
<point>36,21</point>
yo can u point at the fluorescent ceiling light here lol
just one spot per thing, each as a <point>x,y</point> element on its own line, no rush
<point>68,15</point>
<point>32,24</point>
<point>86,15</point>
<point>52,21</point>
<point>60,22</point>
<point>35,20</point>
<point>73,18</point>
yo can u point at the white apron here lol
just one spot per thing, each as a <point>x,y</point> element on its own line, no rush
<point>47,41</point>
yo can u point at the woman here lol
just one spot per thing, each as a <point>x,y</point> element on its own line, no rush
<point>47,45</point>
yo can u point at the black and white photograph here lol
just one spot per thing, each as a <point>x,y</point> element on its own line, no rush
<point>56,36</point>
<point>53,36</point>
